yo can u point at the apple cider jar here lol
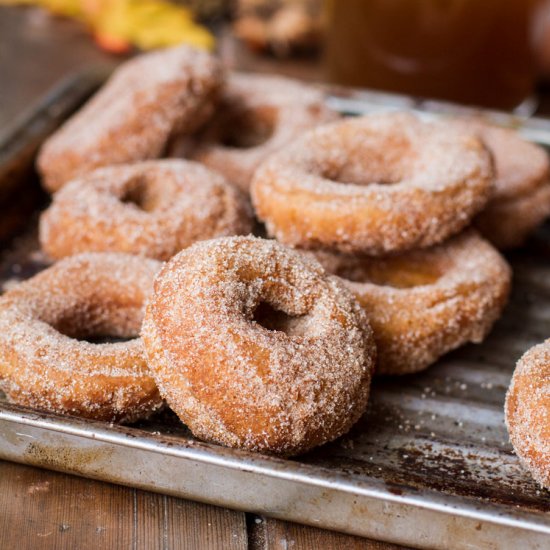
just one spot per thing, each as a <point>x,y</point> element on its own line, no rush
<point>473,51</point>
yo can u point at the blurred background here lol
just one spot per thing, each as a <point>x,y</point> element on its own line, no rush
<point>492,53</point>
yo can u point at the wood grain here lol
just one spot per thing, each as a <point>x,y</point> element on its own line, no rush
<point>271,534</point>
<point>47,510</point>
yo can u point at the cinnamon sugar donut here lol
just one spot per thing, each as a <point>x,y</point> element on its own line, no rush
<point>521,198</point>
<point>152,208</point>
<point>427,302</point>
<point>373,184</point>
<point>44,361</point>
<point>146,101</point>
<point>258,115</point>
<point>507,223</point>
<point>528,412</point>
<point>254,346</point>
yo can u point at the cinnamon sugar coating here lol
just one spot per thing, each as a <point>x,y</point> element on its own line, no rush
<point>425,303</point>
<point>44,365</point>
<point>374,184</point>
<point>521,198</point>
<point>258,115</point>
<point>527,411</point>
<point>254,346</point>
<point>145,102</point>
<point>151,208</point>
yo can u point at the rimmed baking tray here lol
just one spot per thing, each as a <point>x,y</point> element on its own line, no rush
<point>429,465</point>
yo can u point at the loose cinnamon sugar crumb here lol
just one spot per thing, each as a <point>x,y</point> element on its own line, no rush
<point>39,487</point>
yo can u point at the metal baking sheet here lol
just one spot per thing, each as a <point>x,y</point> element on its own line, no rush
<point>429,465</point>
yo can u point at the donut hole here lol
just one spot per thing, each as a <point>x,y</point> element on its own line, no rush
<point>393,272</point>
<point>246,129</point>
<point>270,318</point>
<point>140,193</point>
<point>98,325</point>
<point>366,160</point>
<point>364,174</point>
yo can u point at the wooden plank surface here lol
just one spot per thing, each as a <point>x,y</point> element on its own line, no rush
<point>47,510</point>
<point>271,534</point>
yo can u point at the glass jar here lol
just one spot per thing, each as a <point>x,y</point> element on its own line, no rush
<point>478,52</point>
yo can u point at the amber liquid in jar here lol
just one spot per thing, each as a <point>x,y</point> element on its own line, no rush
<point>472,51</point>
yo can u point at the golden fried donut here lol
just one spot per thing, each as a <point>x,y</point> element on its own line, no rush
<point>153,208</point>
<point>373,184</point>
<point>521,198</point>
<point>527,412</point>
<point>254,346</point>
<point>146,101</point>
<point>424,303</point>
<point>45,360</point>
<point>258,115</point>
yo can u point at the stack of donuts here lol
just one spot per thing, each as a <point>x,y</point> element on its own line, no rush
<point>303,253</point>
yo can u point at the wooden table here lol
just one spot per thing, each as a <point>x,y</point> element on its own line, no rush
<point>40,509</point>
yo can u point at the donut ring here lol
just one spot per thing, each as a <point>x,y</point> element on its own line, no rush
<point>527,412</point>
<point>521,198</point>
<point>258,116</point>
<point>152,208</point>
<point>425,303</point>
<point>254,346</point>
<point>42,362</point>
<point>318,192</point>
<point>145,102</point>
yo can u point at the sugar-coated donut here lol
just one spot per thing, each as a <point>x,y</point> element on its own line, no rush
<point>146,101</point>
<point>508,222</point>
<point>373,184</point>
<point>521,198</point>
<point>257,116</point>
<point>152,208</point>
<point>424,303</point>
<point>45,362</point>
<point>255,346</point>
<point>528,411</point>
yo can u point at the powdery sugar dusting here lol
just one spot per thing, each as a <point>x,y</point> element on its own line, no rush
<point>373,184</point>
<point>86,295</point>
<point>181,202</point>
<point>234,381</point>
